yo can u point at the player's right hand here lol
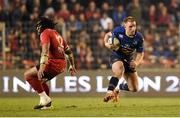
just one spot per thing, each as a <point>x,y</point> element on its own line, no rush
<point>72,70</point>
<point>113,47</point>
<point>41,71</point>
<point>133,64</point>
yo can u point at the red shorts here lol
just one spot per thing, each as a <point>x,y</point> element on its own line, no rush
<point>53,68</point>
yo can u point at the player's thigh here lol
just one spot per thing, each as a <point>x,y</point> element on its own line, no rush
<point>54,68</point>
<point>118,69</point>
<point>132,80</point>
<point>31,72</point>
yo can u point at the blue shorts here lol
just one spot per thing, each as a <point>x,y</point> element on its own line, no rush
<point>128,69</point>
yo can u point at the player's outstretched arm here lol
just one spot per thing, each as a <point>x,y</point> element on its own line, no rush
<point>70,58</point>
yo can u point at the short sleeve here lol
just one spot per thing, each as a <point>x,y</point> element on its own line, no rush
<point>118,30</point>
<point>140,45</point>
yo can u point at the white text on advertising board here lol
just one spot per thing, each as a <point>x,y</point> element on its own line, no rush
<point>83,84</point>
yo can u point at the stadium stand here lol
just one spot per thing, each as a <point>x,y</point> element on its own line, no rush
<point>84,24</point>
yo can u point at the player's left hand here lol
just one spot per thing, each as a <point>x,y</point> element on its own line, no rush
<point>72,70</point>
<point>41,71</point>
<point>133,64</point>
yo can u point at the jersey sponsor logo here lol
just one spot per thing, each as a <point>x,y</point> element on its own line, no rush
<point>126,49</point>
<point>120,36</point>
<point>126,46</point>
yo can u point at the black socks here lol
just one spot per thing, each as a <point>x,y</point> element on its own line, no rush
<point>113,83</point>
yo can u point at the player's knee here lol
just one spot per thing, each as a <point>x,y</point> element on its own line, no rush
<point>118,74</point>
<point>118,69</point>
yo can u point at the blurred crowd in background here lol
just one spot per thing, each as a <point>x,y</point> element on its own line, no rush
<point>84,23</point>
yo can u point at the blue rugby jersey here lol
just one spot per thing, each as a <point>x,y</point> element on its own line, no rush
<point>127,45</point>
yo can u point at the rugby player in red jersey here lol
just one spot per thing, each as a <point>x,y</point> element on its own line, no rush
<point>52,61</point>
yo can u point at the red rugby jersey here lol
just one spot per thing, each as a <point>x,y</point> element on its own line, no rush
<point>57,44</point>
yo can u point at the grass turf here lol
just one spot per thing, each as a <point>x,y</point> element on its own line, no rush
<point>94,107</point>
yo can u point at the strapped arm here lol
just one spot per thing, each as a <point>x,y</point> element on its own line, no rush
<point>70,57</point>
<point>44,54</point>
<point>44,59</point>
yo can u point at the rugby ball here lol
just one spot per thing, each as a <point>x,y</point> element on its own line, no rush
<point>114,41</point>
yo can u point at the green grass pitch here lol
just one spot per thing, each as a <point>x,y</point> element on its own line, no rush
<point>94,107</point>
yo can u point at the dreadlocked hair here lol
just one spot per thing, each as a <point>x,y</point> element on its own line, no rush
<point>45,23</point>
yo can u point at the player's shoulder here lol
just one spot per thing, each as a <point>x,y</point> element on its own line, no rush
<point>139,36</point>
<point>47,30</point>
<point>119,29</point>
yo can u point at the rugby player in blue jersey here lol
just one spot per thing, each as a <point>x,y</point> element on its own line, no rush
<point>125,58</point>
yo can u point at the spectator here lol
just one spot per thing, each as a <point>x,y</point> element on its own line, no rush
<point>82,23</point>
<point>84,37</point>
<point>49,12</point>
<point>168,58</point>
<point>101,52</point>
<point>89,58</point>
<point>81,55</point>
<point>118,15</point>
<point>16,13</point>
<point>134,9</point>
<point>164,18</point>
<point>152,17</point>
<point>94,20</point>
<point>106,22</point>
<point>3,14</point>
<point>95,30</point>
<point>73,24</point>
<point>149,58</point>
<point>173,8</point>
<point>105,8</point>
<point>35,14</point>
<point>34,47</point>
<point>90,10</point>
<point>24,13</point>
<point>63,12</point>
<point>78,9</point>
